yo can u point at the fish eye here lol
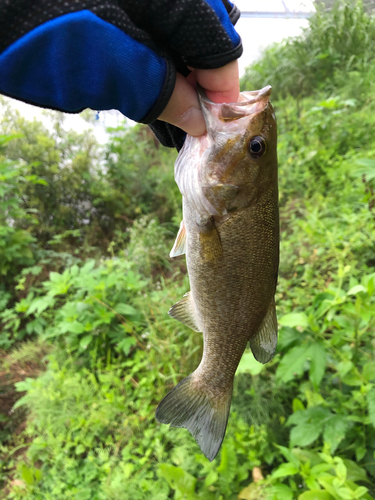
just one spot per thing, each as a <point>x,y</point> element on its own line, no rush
<point>257,146</point>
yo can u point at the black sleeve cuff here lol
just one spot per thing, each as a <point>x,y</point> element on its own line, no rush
<point>165,95</point>
<point>213,62</point>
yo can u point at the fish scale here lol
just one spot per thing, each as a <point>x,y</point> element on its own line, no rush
<point>230,234</point>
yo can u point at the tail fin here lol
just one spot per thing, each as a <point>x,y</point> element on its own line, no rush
<point>202,414</point>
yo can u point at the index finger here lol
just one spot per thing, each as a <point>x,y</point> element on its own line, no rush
<point>221,84</point>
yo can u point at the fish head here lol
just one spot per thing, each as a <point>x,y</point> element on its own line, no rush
<point>235,161</point>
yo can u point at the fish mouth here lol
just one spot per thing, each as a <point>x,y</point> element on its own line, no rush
<point>247,97</point>
<point>249,103</point>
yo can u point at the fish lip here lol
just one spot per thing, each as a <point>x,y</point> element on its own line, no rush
<point>250,103</point>
<point>251,96</point>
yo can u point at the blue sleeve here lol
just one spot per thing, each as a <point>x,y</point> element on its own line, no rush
<point>110,55</point>
<point>79,61</point>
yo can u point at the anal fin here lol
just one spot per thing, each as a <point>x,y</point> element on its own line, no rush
<point>264,343</point>
<point>179,247</point>
<point>185,312</point>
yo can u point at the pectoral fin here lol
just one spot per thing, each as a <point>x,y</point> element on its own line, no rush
<point>179,247</point>
<point>263,344</point>
<point>210,245</point>
<point>209,240</point>
<point>185,312</point>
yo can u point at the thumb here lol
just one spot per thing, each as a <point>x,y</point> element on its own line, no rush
<point>183,109</point>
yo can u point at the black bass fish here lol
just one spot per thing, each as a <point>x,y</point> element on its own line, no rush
<point>230,234</point>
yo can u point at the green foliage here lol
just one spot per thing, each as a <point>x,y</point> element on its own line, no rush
<point>337,43</point>
<point>305,422</point>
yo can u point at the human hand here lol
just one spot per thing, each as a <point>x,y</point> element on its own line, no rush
<point>183,110</point>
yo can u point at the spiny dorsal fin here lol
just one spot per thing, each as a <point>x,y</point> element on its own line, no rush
<point>188,405</point>
<point>263,344</point>
<point>185,312</point>
<point>179,247</point>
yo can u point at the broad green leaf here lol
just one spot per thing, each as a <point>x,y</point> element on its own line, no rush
<point>211,478</point>
<point>39,305</point>
<point>294,319</point>
<point>289,455</point>
<point>354,471</point>
<point>125,310</point>
<point>126,344</point>
<point>318,356</point>
<point>55,277</point>
<point>297,405</point>
<point>292,363</point>
<point>315,495</point>
<point>249,364</point>
<point>27,475</point>
<point>179,480</point>
<point>357,289</point>
<point>85,341</point>
<point>360,491</point>
<point>75,327</point>
<point>38,474</point>
<point>303,435</point>
<point>281,492</point>
<point>284,470</point>
<point>335,430</point>
<point>360,452</point>
<point>309,424</point>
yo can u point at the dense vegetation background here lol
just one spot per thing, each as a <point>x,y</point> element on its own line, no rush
<point>87,349</point>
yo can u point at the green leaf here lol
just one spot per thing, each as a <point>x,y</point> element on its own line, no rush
<point>39,305</point>
<point>80,449</point>
<point>289,455</point>
<point>27,475</point>
<point>211,478</point>
<point>38,474</point>
<point>284,470</point>
<point>368,168</point>
<point>371,405</point>
<point>294,319</point>
<point>297,405</point>
<point>369,372</point>
<point>293,362</point>
<point>281,492</point>
<point>360,491</point>
<point>179,480</point>
<point>85,341</point>
<point>126,344</point>
<point>249,364</point>
<point>309,424</point>
<point>75,327</point>
<point>357,289</point>
<point>360,452</point>
<point>318,356</point>
<point>315,495</point>
<point>354,471</point>
<point>334,430</point>
<point>125,310</point>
